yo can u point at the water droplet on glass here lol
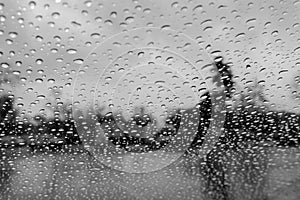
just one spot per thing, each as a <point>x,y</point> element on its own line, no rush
<point>75,24</point>
<point>71,51</point>
<point>140,54</point>
<point>51,80</point>
<point>13,34</point>
<point>95,35</point>
<point>55,15</point>
<point>39,38</point>
<point>32,4</point>
<point>2,18</point>
<point>108,22</point>
<point>174,5</point>
<point>39,80</point>
<point>129,19</point>
<point>15,72</point>
<point>113,14</point>
<point>166,27</point>
<point>39,61</point>
<point>54,50</point>
<point>198,8</point>
<point>98,19</point>
<point>20,105</point>
<point>1,6</point>
<point>147,10</point>
<point>78,61</point>
<point>5,65</point>
<point>297,50</point>
<point>88,3</point>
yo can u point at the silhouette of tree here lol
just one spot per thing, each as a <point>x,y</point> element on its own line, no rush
<point>43,133</point>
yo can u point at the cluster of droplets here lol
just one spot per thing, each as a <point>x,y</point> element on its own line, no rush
<point>44,46</point>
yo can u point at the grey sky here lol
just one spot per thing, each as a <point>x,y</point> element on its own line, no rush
<point>263,34</point>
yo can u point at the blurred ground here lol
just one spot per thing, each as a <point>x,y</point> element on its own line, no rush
<point>254,173</point>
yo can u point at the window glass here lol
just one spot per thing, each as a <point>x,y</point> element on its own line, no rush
<point>138,99</point>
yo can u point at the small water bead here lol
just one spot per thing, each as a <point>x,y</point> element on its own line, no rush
<point>9,41</point>
<point>39,61</point>
<point>129,19</point>
<point>5,65</point>
<point>40,71</point>
<point>39,17</point>
<point>13,34</point>
<point>39,38</point>
<point>32,4</point>
<point>12,53</point>
<point>198,8</point>
<point>78,61</point>
<point>88,3</point>
<point>147,10</point>
<point>15,72</point>
<point>59,59</point>
<point>138,8</point>
<point>113,14</point>
<point>166,27</point>
<point>98,19</point>
<point>20,20</point>
<point>53,50</point>
<point>95,35</point>
<point>297,50</point>
<point>140,54</point>
<point>71,51</point>
<point>108,22</point>
<point>20,105</point>
<point>55,15</point>
<point>18,63</point>
<point>2,18</point>
<point>39,80</point>
<point>1,6</point>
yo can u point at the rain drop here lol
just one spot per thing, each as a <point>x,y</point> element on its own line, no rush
<point>32,4</point>
<point>108,22</point>
<point>39,80</point>
<point>39,38</point>
<point>2,18</point>
<point>88,3</point>
<point>55,15</point>
<point>39,61</point>
<point>71,51</point>
<point>76,24</point>
<point>95,35</point>
<point>113,14</point>
<point>129,19</point>
<point>166,27</point>
<point>198,8</point>
<point>78,61</point>
<point>16,72</point>
<point>297,50</point>
<point>5,65</point>
<point>174,5</point>
<point>140,54</point>
<point>13,34</point>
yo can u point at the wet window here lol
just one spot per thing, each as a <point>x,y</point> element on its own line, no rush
<point>138,99</point>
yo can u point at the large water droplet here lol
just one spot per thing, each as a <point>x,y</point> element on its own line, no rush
<point>13,34</point>
<point>32,4</point>
<point>78,61</point>
<point>71,51</point>
<point>5,65</point>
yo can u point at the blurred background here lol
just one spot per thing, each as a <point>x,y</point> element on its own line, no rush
<point>46,45</point>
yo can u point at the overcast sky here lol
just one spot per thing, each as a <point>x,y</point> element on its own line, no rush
<point>53,39</point>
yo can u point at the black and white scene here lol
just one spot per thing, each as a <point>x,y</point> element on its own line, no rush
<point>149,100</point>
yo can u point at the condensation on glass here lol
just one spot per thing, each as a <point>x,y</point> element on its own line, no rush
<point>138,99</point>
